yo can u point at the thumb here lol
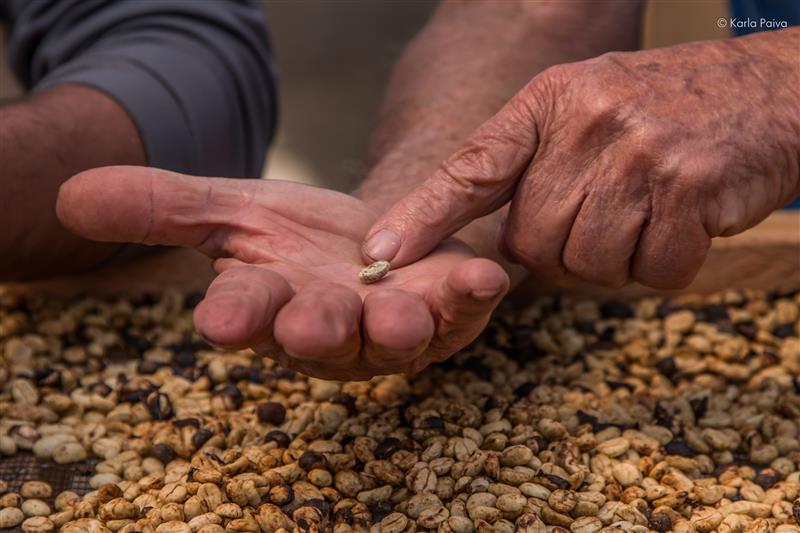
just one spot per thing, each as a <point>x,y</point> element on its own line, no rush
<point>475,181</point>
<point>150,206</point>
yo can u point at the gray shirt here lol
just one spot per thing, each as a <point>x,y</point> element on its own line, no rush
<point>196,76</point>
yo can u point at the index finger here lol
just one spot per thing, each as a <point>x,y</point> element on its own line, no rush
<point>151,206</point>
<point>473,182</point>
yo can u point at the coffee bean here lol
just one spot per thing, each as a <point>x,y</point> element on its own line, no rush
<point>271,413</point>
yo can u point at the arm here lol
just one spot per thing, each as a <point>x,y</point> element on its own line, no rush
<point>45,139</point>
<point>172,84</point>
<point>468,60</point>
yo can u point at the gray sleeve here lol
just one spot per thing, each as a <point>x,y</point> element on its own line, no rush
<point>196,76</point>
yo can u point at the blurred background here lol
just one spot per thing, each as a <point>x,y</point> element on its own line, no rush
<point>335,59</point>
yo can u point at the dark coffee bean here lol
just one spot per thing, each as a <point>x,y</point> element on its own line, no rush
<point>607,334</point>
<point>348,401</point>
<point>387,447</point>
<point>796,384</point>
<point>747,329</point>
<point>159,406</point>
<point>285,373</point>
<point>101,388</point>
<point>522,391</point>
<point>699,407</point>
<point>186,422</point>
<point>344,516</point>
<point>667,367</point>
<point>238,373</point>
<point>616,309</point>
<point>255,374</point>
<point>600,346</point>
<point>200,437</point>
<point>163,452</point>
<point>381,510</point>
<point>551,481</point>
<point>496,402</point>
<point>662,417</point>
<point>540,442</point>
<point>145,299</point>
<point>796,511</point>
<point>585,327</point>
<point>585,418</point>
<point>184,359</point>
<point>131,395</point>
<point>279,437</point>
<point>679,447</point>
<point>666,308</point>
<point>231,396</point>
<point>146,367</point>
<point>136,343</point>
<point>310,460</point>
<point>715,313</point>
<point>768,477</point>
<point>119,353</point>
<point>614,385</point>
<point>661,522</point>
<point>600,426</point>
<point>271,413</point>
<point>48,377</point>
<point>95,365</point>
<point>523,347</point>
<point>769,358</point>
<point>433,422</point>
<point>784,330</point>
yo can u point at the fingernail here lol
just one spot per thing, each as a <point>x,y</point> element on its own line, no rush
<point>382,246</point>
<point>485,295</point>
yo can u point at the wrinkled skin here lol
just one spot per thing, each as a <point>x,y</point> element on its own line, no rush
<point>288,257</point>
<point>624,167</point>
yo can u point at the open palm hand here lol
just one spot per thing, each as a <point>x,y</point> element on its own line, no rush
<point>288,257</point>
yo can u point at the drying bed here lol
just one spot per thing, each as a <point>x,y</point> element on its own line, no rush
<point>569,416</point>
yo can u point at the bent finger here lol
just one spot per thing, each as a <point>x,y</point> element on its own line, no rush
<point>397,328</point>
<point>463,303</point>
<point>321,323</point>
<point>240,306</point>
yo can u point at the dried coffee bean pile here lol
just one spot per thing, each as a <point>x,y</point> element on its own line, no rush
<point>680,415</point>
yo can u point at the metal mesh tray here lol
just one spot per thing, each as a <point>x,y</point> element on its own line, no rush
<point>23,467</point>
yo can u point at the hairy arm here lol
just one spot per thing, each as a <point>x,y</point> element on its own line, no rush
<point>468,60</point>
<point>44,140</point>
<point>185,86</point>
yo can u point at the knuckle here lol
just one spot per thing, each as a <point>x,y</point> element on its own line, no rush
<point>468,169</point>
<point>554,77</point>
<point>546,89</point>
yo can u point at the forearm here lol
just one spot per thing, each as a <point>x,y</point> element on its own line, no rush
<point>44,140</point>
<point>468,60</point>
